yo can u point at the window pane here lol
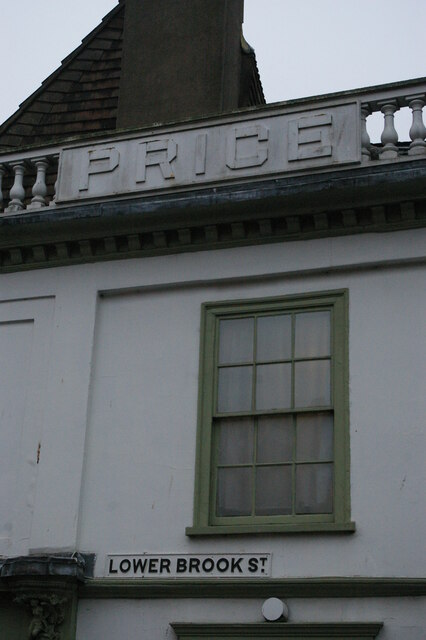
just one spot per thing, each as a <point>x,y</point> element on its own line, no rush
<point>236,340</point>
<point>274,338</point>
<point>234,492</point>
<point>312,383</point>
<point>275,435</point>
<point>312,337</point>
<point>273,491</point>
<point>236,441</point>
<point>273,386</point>
<point>234,389</point>
<point>314,488</point>
<point>315,436</point>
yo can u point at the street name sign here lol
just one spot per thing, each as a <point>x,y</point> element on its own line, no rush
<point>213,565</point>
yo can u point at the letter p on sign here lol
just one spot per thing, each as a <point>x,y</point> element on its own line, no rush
<point>98,161</point>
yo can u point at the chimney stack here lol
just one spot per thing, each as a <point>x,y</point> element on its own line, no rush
<point>181,59</point>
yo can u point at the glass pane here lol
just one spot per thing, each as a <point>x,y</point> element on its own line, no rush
<point>312,337</point>
<point>273,491</point>
<point>274,338</point>
<point>312,383</point>
<point>236,340</point>
<point>234,491</point>
<point>275,435</point>
<point>314,488</point>
<point>236,441</point>
<point>234,389</point>
<point>315,436</point>
<point>273,386</point>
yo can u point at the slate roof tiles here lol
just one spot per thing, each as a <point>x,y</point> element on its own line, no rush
<point>80,98</point>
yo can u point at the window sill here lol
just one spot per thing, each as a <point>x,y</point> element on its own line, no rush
<point>311,527</point>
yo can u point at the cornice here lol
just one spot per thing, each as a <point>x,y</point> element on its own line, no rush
<point>341,630</point>
<point>336,587</point>
<point>363,200</point>
<point>326,587</point>
<point>35,567</point>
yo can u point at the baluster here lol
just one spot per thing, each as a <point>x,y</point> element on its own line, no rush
<point>389,136</point>
<point>17,192</point>
<point>2,172</point>
<point>418,129</point>
<point>365,138</point>
<point>55,160</point>
<point>39,188</point>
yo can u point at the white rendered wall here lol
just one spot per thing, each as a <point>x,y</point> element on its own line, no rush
<point>403,618</point>
<point>139,473</point>
<point>116,470</point>
<point>25,354</point>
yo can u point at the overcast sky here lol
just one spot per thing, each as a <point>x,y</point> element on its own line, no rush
<point>303,47</point>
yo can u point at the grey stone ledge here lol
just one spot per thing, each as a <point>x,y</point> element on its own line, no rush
<point>44,566</point>
<point>375,200</point>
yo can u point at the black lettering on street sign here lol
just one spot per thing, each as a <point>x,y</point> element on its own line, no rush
<point>174,565</point>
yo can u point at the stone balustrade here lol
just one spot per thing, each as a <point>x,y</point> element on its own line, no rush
<point>389,101</point>
<point>320,134</point>
<point>27,181</point>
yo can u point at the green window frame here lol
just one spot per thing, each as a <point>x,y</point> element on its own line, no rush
<point>218,409</point>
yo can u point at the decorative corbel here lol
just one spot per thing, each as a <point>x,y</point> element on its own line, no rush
<point>47,613</point>
<point>46,587</point>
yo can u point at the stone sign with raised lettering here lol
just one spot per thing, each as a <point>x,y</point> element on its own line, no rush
<point>199,155</point>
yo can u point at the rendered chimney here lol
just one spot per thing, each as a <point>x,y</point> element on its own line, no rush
<point>181,59</point>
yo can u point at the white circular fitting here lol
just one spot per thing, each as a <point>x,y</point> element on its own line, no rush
<point>274,609</point>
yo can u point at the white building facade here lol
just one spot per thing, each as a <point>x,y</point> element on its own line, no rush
<point>213,378</point>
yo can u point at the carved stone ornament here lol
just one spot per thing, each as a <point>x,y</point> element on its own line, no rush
<point>47,611</point>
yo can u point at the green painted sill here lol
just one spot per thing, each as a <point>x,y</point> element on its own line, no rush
<point>308,527</point>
